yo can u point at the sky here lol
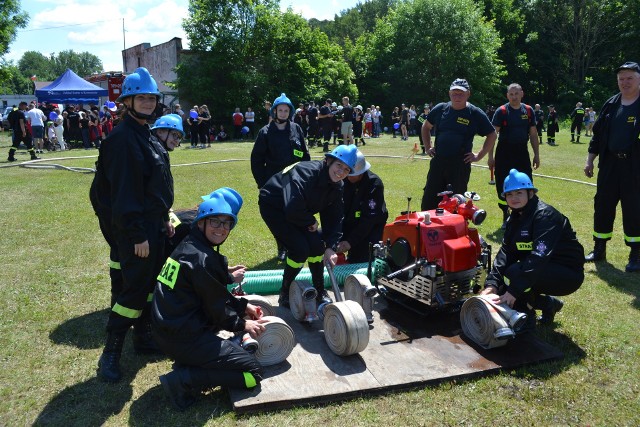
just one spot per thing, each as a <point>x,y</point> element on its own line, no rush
<point>96,26</point>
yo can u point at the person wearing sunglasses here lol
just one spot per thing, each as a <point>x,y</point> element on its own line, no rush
<point>191,304</point>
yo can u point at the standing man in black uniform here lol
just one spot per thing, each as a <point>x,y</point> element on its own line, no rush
<point>325,117</point>
<point>365,212</point>
<point>615,141</point>
<point>313,133</point>
<point>456,122</point>
<point>18,123</point>
<point>539,115</point>
<point>552,125</point>
<point>540,255</point>
<point>278,145</point>
<point>288,204</point>
<point>131,194</point>
<point>515,123</point>
<point>577,118</point>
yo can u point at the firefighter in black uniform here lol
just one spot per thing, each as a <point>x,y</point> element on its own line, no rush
<point>191,304</point>
<point>577,117</point>
<point>552,125</point>
<point>288,203</point>
<point>18,123</point>
<point>278,145</point>
<point>540,255</point>
<point>616,141</point>
<point>539,115</point>
<point>515,123</point>
<point>365,212</point>
<point>313,131</point>
<point>325,117</point>
<point>131,194</point>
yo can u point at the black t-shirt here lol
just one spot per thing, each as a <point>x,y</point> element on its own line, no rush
<point>347,113</point>
<point>405,116</point>
<point>514,125</point>
<point>455,129</point>
<point>325,110</point>
<point>621,130</point>
<point>74,119</point>
<point>313,115</point>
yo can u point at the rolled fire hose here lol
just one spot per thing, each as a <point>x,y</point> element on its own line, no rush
<point>487,324</point>
<point>276,343</point>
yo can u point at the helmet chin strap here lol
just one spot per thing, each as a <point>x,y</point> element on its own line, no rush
<point>280,121</point>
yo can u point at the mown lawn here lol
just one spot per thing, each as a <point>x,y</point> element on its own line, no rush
<point>55,288</point>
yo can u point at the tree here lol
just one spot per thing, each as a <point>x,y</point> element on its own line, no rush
<point>421,46</point>
<point>83,64</point>
<point>268,52</point>
<point>13,81</point>
<point>11,19</point>
<point>35,63</point>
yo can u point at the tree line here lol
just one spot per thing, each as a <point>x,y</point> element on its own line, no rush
<point>388,52</point>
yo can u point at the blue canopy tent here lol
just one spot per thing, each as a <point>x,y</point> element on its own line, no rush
<point>70,88</point>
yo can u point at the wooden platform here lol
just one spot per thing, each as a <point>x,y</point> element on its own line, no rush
<point>403,352</point>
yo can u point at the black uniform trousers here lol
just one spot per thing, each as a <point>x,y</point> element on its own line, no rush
<point>360,251</point>
<point>553,279</point>
<point>138,277</point>
<point>576,125</point>
<point>442,172</point>
<point>115,272</point>
<point>210,352</point>
<point>314,133</point>
<point>510,156</point>
<point>615,184</point>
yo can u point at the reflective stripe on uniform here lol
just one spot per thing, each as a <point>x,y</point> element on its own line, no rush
<point>315,259</point>
<point>115,265</point>
<point>126,312</point>
<point>602,235</point>
<point>630,239</point>
<point>292,263</point>
<point>524,246</point>
<point>358,214</point>
<point>173,219</point>
<point>249,380</point>
<point>288,168</point>
<point>150,297</point>
<point>298,153</point>
<point>502,202</point>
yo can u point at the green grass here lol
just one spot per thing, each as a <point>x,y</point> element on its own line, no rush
<point>55,293</point>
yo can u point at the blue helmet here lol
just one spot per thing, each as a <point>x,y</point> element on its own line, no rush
<point>223,201</point>
<point>137,83</point>
<point>347,154</point>
<point>361,165</point>
<point>282,99</point>
<point>517,181</point>
<point>170,121</point>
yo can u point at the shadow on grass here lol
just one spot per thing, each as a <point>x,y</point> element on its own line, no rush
<point>154,409</point>
<point>629,283</point>
<point>84,332</point>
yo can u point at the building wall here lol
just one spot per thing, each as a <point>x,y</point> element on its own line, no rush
<point>160,60</point>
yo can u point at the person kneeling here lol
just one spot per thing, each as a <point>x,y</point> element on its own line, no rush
<point>191,304</point>
<point>540,255</point>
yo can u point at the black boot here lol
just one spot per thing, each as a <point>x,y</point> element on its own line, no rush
<point>634,260</point>
<point>283,298</point>
<point>143,342</point>
<point>325,147</point>
<point>12,153</point>
<point>176,385</point>
<point>109,363</point>
<point>549,306</point>
<point>599,252</point>
<point>317,278</point>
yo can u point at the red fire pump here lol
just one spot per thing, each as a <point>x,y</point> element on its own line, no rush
<point>435,258</point>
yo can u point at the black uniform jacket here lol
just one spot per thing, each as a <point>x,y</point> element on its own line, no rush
<point>599,142</point>
<point>364,208</point>
<point>133,181</point>
<point>191,295</point>
<point>302,190</point>
<point>276,149</point>
<point>537,236</point>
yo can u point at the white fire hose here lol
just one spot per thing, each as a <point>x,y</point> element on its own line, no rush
<point>487,324</point>
<point>276,343</point>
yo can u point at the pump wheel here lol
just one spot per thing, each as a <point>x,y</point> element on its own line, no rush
<point>346,330</point>
<point>263,303</point>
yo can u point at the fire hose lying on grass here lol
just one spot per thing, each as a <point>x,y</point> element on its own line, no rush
<point>490,325</point>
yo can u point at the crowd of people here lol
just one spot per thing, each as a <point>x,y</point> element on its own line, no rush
<point>169,279</point>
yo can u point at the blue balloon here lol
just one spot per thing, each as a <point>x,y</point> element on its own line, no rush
<point>396,126</point>
<point>245,130</point>
<point>386,129</point>
<point>53,116</point>
<point>193,114</point>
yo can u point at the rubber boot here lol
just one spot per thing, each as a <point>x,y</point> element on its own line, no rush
<point>33,155</point>
<point>550,306</point>
<point>634,260</point>
<point>599,252</point>
<point>12,152</point>
<point>578,139</point>
<point>317,278</point>
<point>325,147</point>
<point>109,363</point>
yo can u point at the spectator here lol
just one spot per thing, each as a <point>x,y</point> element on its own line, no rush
<point>21,132</point>
<point>249,120</point>
<point>36,117</point>
<point>238,118</point>
<point>204,122</point>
